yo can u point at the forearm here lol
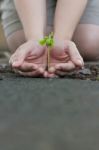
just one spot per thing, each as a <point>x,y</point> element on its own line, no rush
<point>32,14</point>
<point>67,16</point>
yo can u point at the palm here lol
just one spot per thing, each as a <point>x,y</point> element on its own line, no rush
<point>39,58</point>
<point>58,56</point>
<point>27,56</point>
<point>64,57</point>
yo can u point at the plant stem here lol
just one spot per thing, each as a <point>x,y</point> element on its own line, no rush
<point>48,57</point>
<point>48,41</point>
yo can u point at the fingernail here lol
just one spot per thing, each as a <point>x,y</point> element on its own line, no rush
<point>41,70</point>
<point>80,62</point>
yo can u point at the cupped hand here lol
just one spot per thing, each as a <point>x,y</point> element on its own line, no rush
<point>29,59</point>
<point>64,57</point>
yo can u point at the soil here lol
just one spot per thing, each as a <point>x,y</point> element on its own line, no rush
<point>90,72</point>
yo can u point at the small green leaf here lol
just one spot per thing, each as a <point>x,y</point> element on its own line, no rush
<point>47,40</point>
<point>52,42</point>
<point>42,42</point>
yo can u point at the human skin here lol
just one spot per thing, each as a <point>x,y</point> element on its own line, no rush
<point>62,57</point>
<point>35,28</point>
<point>70,13</point>
<point>33,17</point>
<point>29,59</point>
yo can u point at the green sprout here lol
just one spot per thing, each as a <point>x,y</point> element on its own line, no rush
<point>49,42</point>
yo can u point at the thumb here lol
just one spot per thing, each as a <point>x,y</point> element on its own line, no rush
<point>17,59</point>
<point>19,56</point>
<point>74,54</point>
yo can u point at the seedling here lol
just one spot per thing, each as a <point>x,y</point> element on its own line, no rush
<point>49,42</point>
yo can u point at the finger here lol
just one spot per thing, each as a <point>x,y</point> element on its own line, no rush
<point>16,71</point>
<point>58,60</point>
<point>75,55</point>
<point>51,75</point>
<point>45,74</point>
<point>30,74</point>
<point>19,56</point>
<point>15,61</point>
<point>26,67</point>
<point>61,73</point>
<point>42,67</point>
<point>65,66</point>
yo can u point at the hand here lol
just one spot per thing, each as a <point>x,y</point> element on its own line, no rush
<point>64,57</point>
<point>29,59</point>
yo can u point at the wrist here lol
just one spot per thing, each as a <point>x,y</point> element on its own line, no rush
<point>62,37</point>
<point>34,36</point>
